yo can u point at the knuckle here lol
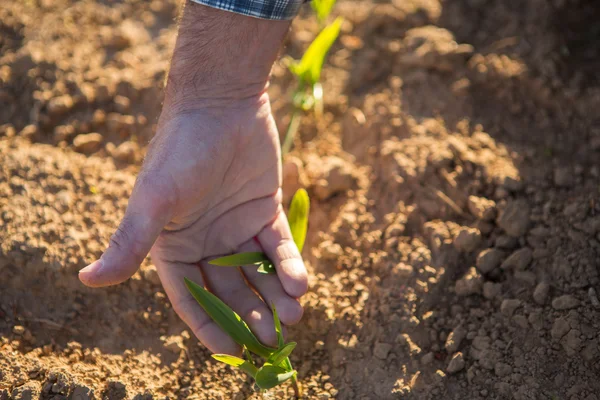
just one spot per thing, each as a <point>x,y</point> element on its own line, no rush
<point>123,241</point>
<point>287,250</point>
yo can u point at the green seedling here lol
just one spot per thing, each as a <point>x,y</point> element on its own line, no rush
<point>309,91</point>
<point>228,320</point>
<point>322,9</point>
<point>265,266</point>
<point>298,219</point>
<point>277,368</point>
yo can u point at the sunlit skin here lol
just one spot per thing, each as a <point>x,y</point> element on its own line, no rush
<point>210,184</point>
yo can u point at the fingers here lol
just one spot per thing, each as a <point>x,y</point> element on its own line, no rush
<point>188,309</point>
<point>253,214</point>
<point>276,240</point>
<point>147,213</point>
<point>229,285</point>
<point>269,287</point>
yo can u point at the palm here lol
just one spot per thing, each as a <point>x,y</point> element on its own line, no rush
<point>210,186</point>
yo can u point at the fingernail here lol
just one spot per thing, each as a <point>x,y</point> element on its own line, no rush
<point>93,267</point>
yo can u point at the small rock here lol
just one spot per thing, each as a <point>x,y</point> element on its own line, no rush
<point>470,284</point>
<point>457,363</point>
<point>560,328</point>
<point>482,208</point>
<point>382,350</point>
<point>520,259</point>
<point>488,359</point>
<point>488,260</point>
<point>115,390</point>
<point>427,358</point>
<point>481,342</point>
<point>515,218</point>
<point>87,143</point>
<point>82,393</point>
<point>99,118</point>
<point>503,388</point>
<point>126,152</point>
<point>433,48</point>
<point>572,342</point>
<point>540,294</point>
<point>536,320</point>
<point>151,275</point>
<point>508,306</point>
<point>60,382</point>
<point>527,277</point>
<point>122,104</point>
<point>501,369</point>
<point>590,352</point>
<point>491,290</point>
<point>455,338</point>
<point>18,330</point>
<point>506,242</point>
<point>174,344</point>
<point>29,132</point>
<point>63,132</point>
<point>467,240</point>
<point>565,302</point>
<point>405,340</point>
<point>521,321</point>
<point>403,270</point>
<point>564,177</point>
<point>330,251</point>
<point>7,130</point>
<point>60,105</point>
<point>335,176</point>
<point>471,374</point>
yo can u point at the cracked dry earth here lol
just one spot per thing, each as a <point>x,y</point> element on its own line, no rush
<point>454,237</point>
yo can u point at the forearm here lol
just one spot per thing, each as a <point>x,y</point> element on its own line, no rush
<point>221,56</point>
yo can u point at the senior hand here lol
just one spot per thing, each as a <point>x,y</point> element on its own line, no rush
<point>210,184</point>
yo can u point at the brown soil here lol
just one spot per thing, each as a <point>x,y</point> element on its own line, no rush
<point>455,230</point>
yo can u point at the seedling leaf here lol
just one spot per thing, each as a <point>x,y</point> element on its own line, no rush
<point>248,355</point>
<point>237,362</point>
<point>227,319</point>
<point>322,8</point>
<point>280,355</point>
<point>310,66</point>
<point>236,260</point>
<point>278,330</point>
<point>269,376</point>
<point>298,217</point>
<point>229,360</point>
<point>266,267</point>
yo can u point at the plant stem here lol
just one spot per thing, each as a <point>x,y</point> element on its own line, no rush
<point>291,132</point>
<point>295,383</point>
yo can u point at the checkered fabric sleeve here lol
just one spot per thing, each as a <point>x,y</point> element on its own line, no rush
<point>265,9</point>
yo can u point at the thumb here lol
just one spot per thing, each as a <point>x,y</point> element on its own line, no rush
<point>147,213</point>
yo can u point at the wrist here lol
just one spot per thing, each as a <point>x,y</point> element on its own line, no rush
<point>221,57</point>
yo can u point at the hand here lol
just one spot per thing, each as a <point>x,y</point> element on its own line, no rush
<point>210,186</point>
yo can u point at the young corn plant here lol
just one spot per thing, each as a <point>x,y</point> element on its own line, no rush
<point>322,8</point>
<point>277,368</point>
<point>309,91</point>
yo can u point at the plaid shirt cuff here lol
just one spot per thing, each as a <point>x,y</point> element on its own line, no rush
<point>265,9</point>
